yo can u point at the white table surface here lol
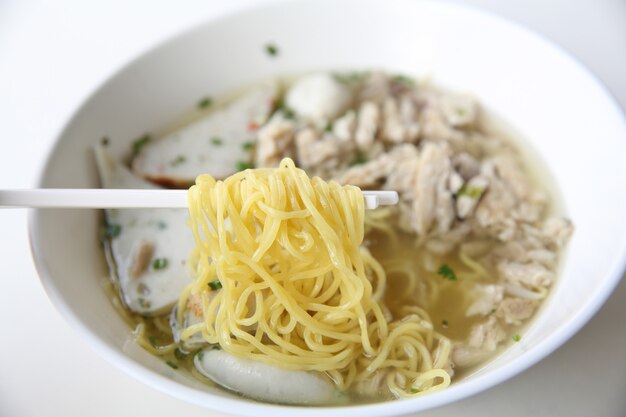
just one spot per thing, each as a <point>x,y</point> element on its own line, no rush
<point>53,54</point>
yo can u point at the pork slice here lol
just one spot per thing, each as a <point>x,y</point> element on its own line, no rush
<point>402,168</point>
<point>275,141</point>
<point>493,214</point>
<point>323,154</point>
<point>463,355</point>
<point>367,125</point>
<point>400,120</point>
<point>486,335</point>
<point>515,310</point>
<point>487,297</point>
<point>466,165</point>
<point>483,339</point>
<point>469,195</point>
<point>446,242</point>
<point>432,199</point>
<point>434,127</point>
<point>556,232</point>
<point>376,87</point>
<point>397,166</point>
<point>529,275</point>
<point>459,110</point>
<point>344,127</point>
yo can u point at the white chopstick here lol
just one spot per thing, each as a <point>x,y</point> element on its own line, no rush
<point>121,198</point>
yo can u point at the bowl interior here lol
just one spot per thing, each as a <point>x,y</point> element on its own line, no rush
<point>567,117</point>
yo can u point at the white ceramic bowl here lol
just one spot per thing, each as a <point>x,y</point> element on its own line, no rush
<point>555,103</point>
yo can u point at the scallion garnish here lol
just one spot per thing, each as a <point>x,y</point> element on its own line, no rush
<point>180,355</point>
<point>242,165</point>
<point>517,337</point>
<point>403,79</point>
<point>160,263</point>
<point>112,230</point>
<point>204,103</point>
<point>216,141</point>
<point>471,192</point>
<point>358,160</point>
<point>143,303</point>
<point>351,77</point>
<point>215,285</point>
<point>178,160</point>
<point>447,272</point>
<point>271,49</point>
<point>172,365</point>
<point>139,143</point>
<point>282,107</point>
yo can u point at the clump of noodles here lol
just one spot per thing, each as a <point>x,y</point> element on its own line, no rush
<point>298,290</point>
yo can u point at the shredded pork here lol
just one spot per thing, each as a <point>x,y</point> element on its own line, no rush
<point>458,178</point>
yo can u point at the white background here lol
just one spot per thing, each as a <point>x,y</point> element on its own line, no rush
<point>53,54</point>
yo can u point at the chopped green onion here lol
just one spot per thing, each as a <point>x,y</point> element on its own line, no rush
<point>289,114</point>
<point>247,146</point>
<point>216,141</point>
<point>152,340</point>
<point>517,337</point>
<point>350,77</point>
<point>459,111</point>
<point>447,272</point>
<point>143,303</point>
<point>216,347</point>
<point>160,263</point>
<point>104,141</point>
<point>415,390</point>
<point>271,49</point>
<point>200,354</point>
<point>493,310</point>
<point>242,165</point>
<point>204,103</point>
<point>172,365</point>
<point>139,143</point>
<point>215,285</point>
<point>444,323</point>
<point>178,160</point>
<point>403,79</point>
<point>281,106</point>
<point>358,160</point>
<point>471,192</point>
<point>329,126</point>
<point>180,355</point>
<point>112,230</point>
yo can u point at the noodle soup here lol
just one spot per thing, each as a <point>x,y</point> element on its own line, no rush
<point>298,285</point>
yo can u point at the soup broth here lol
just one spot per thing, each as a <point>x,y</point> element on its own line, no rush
<point>470,251</point>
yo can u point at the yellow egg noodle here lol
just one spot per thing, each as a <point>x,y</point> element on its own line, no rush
<point>298,290</point>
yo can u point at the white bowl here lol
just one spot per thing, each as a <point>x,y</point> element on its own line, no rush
<point>569,118</point>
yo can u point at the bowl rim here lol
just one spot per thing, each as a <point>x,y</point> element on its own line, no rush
<point>253,408</point>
